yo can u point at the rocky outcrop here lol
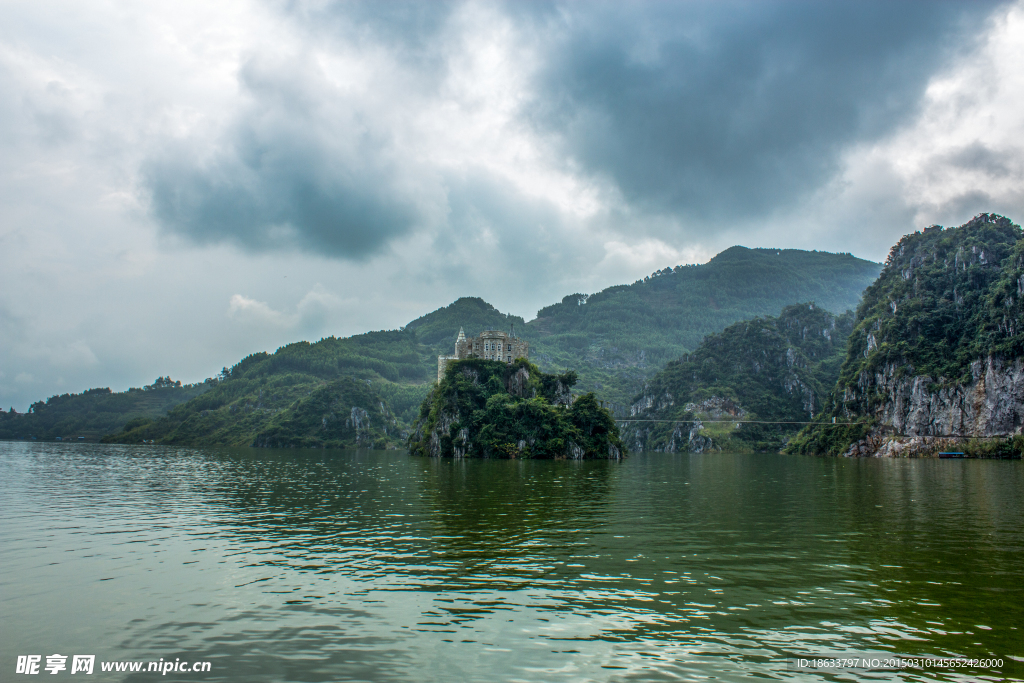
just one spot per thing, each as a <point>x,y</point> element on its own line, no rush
<point>698,442</point>
<point>716,408</point>
<point>991,404</point>
<point>881,446</point>
<point>359,421</point>
<point>919,417</point>
<point>491,409</point>
<point>518,382</point>
<point>687,435</point>
<point>936,352</point>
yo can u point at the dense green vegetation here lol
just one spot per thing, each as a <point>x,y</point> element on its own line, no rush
<point>490,409</point>
<point>95,412</point>
<point>439,329</point>
<point>615,339</point>
<point>619,337</point>
<point>301,396</point>
<point>771,368</point>
<point>945,299</point>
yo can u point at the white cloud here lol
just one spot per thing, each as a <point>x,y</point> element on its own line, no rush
<point>248,310</point>
<point>646,256</point>
<point>314,311</point>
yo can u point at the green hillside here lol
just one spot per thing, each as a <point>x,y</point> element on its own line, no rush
<point>615,340</point>
<point>946,298</point>
<point>772,368</point>
<point>302,394</point>
<point>935,340</point>
<point>619,337</point>
<point>96,412</point>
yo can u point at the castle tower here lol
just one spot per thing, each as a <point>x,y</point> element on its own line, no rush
<point>489,345</point>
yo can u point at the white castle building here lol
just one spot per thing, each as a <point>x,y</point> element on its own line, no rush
<point>490,345</point>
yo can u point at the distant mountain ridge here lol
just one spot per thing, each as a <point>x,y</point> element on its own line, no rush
<point>615,339</point>
<point>96,412</point>
<point>618,337</point>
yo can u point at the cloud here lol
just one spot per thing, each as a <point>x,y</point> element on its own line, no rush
<point>303,165</point>
<point>358,124</point>
<point>960,154</point>
<point>738,109</point>
<point>313,311</point>
<point>185,183</point>
<point>346,133</point>
<point>244,309</point>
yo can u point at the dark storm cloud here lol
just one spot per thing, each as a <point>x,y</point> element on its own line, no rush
<point>302,166</point>
<point>309,163</point>
<point>713,109</point>
<point>412,31</point>
<point>689,109</point>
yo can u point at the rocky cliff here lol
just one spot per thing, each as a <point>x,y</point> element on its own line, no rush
<point>989,403</point>
<point>937,348</point>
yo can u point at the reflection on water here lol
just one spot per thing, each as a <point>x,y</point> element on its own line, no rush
<point>323,566</point>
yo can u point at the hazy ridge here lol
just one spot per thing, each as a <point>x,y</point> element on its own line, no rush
<point>614,339</point>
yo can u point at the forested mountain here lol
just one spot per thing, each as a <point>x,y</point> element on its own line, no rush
<point>439,329</point>
<point>681,305</point>
<point>617,338</point>
<point>358,391</point>
<point>96,412</point>
<point>937,349</point>
<point>771,368</point>
<point>614,339</point>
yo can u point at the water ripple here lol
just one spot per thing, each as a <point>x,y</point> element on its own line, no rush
<point>324,566</point>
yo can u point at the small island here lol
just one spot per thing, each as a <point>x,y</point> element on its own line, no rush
<point>484,408</point>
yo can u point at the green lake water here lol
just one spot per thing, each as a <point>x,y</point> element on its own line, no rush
<point>295,565</point>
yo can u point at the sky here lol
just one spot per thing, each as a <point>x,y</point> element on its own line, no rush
<point>183,183</point>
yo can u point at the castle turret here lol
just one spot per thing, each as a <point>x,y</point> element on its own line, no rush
<point>489,345</point>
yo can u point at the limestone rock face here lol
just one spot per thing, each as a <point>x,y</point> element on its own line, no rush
<point>445,420</point>
<point>698,443</point>
<point>686,436</point>
<point>359,420</point>
<point>991,404</point>
<point>917,416</point>
<point>717,408</point>
<point>517,383</point>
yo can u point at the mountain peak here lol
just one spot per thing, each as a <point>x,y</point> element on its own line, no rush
<point>439,328</point>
